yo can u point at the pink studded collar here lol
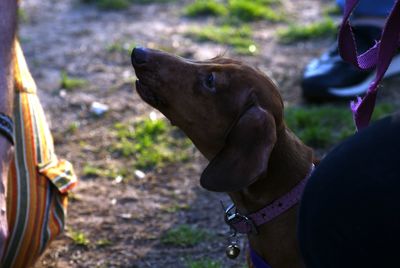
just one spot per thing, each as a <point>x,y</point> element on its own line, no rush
<point>248,223</point>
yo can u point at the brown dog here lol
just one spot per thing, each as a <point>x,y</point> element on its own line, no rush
<point>234,116</point>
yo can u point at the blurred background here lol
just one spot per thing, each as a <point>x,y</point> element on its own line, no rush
<point>139,203</point>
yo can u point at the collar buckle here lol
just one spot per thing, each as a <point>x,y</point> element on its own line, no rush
<point>233,218</point>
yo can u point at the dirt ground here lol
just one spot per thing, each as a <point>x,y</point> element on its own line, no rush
<point>66,35</point>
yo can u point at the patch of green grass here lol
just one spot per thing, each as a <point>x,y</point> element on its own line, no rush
<point>294,33</point>
<point>185,236</point>
<point>205,263</point>
<point>89,170</point>
<point>332,10</point>
<point>73,128</point>
<point>121,4</point>
<point>233,12</point>
<point>205,8</point>
<point>79,238</point>
<point>150,143</point>
<point>93,171</point>
<point>115,47</point>
<point>244,10</point>
<point>110,4</point>
<point>70,83</point>
<point>22,16</point>
<point>125,147</point>
<point>121,47</point>
<point>152,1</point>
<point>266,2</point>
<point>74,197</point>
<point>241,39</point>
<point>103,243</point>
<point>83,144</point>
<point>126,47</point>
<point>113,4</point>
<point>324,126</point>
<point>175,207</point>
<point>253,10</point>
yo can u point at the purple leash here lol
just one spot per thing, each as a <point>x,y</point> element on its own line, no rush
<point>379,56</point>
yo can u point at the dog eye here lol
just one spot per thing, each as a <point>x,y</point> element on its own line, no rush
<point>210,81</point>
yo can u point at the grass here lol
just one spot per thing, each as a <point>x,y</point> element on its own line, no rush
<point>121,4</point>
<point>151,143</point>
<point>253,10</point>
<point>205,8</point>
<point>79,238</point>
<point>205,263</point>
<point>121,47</point>
<point>72,128</point>
<point>70,83</point>
<point>184,236</point>
<point>243,10</point>
<point>324,126</point>
<point>103,243</point>
<point>152,1</point>
<point>109,4</point>
<point>22,16</point>
<point>266,2</point>
<point>332,10</point>
<point>94,171</point>
<point>113,4</point>
<point>126,47</point>
<point>234,12</point>
<point>175,207</point>
<point>89,170</point>
<point>294,33</point>
<point>240,39</point>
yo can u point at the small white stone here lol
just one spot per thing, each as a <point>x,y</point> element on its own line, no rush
<point>126,216</point>
<point>139,174</point>
<point>127,46</point>
<point>113,201</point>
<point>252,48</point>
<point>153,116</point>
<point>127,74</point>
<point>118,179</point>
<point>63,93</point>
<point>98,108</point>
<point>175,44</point>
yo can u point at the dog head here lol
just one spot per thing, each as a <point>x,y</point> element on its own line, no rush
<point>229,110</point>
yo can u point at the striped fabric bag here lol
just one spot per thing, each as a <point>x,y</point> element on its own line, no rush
<point>38,182</point>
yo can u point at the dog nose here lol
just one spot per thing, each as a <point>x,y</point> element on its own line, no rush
<point>139,55</point>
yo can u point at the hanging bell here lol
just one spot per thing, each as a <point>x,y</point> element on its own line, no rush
<point>232,251</point>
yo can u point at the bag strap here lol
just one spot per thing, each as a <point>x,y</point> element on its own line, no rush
<point>380,56</point>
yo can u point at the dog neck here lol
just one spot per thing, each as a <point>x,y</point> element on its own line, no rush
<point>289,163</point>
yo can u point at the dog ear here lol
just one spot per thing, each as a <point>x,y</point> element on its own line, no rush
<point>245,154</point>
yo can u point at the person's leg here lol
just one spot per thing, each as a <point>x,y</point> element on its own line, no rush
<point>329,76</point>
<point>8,24</point>
<point>349,214</point>
<point>372,8</point>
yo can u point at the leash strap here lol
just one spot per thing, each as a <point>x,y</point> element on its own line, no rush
<point>379,56</point>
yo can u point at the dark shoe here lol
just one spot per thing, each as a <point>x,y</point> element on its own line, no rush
<point>329,77</point>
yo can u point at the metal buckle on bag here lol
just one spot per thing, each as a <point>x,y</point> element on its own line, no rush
<point>233,217</point>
